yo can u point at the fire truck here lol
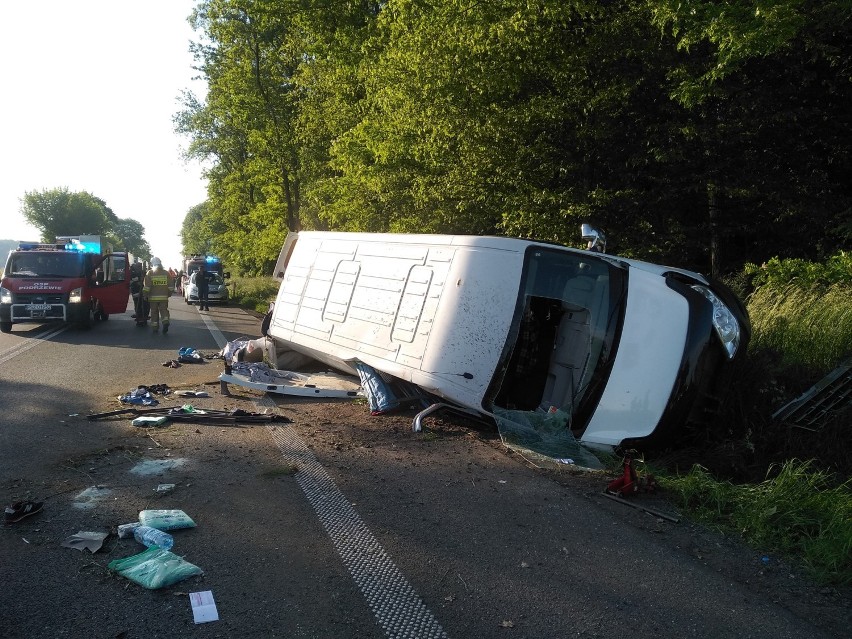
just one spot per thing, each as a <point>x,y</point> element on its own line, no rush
<point>73,280</point>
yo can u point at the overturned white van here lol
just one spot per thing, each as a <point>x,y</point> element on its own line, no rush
<point>626,349</point>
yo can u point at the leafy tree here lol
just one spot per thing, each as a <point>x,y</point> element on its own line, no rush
<point>196,234</point>
<point>696,132</point>
<point>766,86</point>
<point>246,126</point>
<point>57,212</point>
<point>127,234</point>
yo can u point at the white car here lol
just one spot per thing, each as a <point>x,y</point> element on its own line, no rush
<point>217,289</point>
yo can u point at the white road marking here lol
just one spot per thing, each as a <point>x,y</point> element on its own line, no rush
<point>28,343</point>
<point>215,332</point>
<point>396,606</point>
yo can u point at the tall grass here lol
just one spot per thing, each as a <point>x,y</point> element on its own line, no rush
<point>795,512</point>
<point>807,326</point>
<point>254,293</point>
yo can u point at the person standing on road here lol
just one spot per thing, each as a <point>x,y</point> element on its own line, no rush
<point>157,290</point>
<point>203,285</point>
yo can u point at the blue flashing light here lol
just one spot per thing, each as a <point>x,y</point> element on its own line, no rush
<point>212,259</point>
<point>83,247</point>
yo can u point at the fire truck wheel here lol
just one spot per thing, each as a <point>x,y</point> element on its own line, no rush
<point>86,322</point>
<point>5,327</point>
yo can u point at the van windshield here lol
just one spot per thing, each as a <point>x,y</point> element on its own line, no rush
<point>46,264</point>
<point>568,320</point>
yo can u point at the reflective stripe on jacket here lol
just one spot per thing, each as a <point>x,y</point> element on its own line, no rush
<point>156,285</point>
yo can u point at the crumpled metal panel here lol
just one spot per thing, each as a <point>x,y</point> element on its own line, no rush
<point>831,394</point>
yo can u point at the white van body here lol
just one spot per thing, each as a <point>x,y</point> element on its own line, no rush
<point>488,322</point>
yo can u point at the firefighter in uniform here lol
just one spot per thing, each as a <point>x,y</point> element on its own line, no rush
<point>157,289</point>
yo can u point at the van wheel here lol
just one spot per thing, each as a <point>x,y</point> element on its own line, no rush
<point>5,327</point>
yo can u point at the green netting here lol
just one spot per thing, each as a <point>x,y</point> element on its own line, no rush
<point>545,434</point>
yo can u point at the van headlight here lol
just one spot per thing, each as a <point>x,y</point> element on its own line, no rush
<point>75,296</point>
<point>726,325</point>
<point>5,296</point>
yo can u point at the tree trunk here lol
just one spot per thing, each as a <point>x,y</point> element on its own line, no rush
<point>713,215</point>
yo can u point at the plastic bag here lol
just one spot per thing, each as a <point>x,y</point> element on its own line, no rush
<point>165,519</point>
<point>154,568</point>
<point>189,355</point>
<point>150,420</point>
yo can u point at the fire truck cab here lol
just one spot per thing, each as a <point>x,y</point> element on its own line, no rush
<point>72,280</point>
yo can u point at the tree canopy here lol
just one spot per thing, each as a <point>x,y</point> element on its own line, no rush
<point>700,133</point>
<point>61,212</point>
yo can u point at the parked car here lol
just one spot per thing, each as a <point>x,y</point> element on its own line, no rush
<point>218,290</point>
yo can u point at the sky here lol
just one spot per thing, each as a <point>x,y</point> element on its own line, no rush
<point>90,89</point>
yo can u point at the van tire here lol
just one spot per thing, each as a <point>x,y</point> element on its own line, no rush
<point>5,327</point>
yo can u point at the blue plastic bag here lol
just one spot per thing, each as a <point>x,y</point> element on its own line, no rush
<point>189,355</point>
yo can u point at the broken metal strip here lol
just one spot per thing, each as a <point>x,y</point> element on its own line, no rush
<point>287,389</point>
<point>650,511</point>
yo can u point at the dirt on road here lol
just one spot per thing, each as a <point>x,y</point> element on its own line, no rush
<point>248,504</point>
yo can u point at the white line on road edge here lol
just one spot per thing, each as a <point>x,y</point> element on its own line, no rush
<point>215,332</point>
<point>29,343</point>
<point>398,609</point>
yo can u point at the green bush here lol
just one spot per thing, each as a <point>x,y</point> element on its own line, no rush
<point>254,293</point>
<point>780,273</point>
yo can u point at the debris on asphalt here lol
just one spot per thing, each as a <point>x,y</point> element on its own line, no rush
<point>154,568</point>
<point>18,510</point>
<point>126,530</point>
<point>140,396</point>
<point>165,519</point>
<point>150,420</point>
<point>203,606</point>
<point>91,541</point>
<point>188,355</point>
<point>638,506</point>
<point>188,413</point>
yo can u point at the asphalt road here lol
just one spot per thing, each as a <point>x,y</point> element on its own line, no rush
<point>335,524</point>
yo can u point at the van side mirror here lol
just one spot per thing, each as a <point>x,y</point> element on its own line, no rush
<point>226,275</point>
<point>594,238</point>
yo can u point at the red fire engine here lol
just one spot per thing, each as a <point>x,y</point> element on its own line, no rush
<point>72,280</point>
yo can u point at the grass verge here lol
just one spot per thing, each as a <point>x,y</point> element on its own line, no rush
<point>253,293</point>
<point>796,512</point>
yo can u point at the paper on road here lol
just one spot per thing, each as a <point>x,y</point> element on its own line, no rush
<point>203,606</point>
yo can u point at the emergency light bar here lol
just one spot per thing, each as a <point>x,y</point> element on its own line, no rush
<point>41,246</point>
<point>82,244</point>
